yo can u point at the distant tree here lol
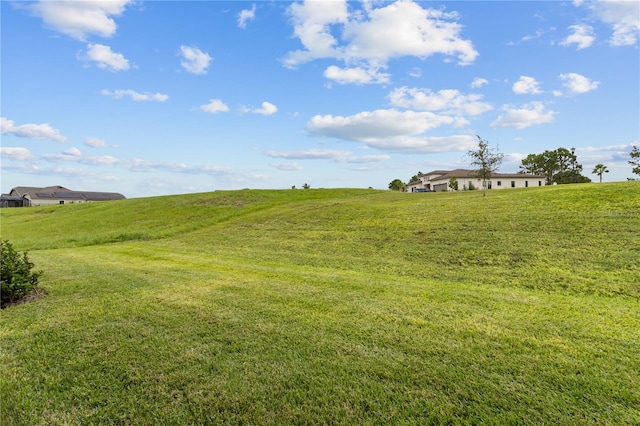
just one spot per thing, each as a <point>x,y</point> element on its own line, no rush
<point>397,185</point>
<point>558,166</point>
<point>306,186</point>
<point>415,177</point>
<point>293,187</point>
<point>453,183</point>
<point>485,162</point>
<point>540,164</point>
<point>635,160</point>
<point>599,170</point>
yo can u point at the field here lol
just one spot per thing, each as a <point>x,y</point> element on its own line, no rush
<point>329,306</point>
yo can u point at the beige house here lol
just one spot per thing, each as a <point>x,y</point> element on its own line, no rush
<point>438,180</point>
<point>59,195</point>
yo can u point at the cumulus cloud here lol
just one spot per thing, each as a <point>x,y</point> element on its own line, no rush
<point>529,115</point>
<point>267,109</point>
<point>96,143</point>
<point>356,75</point>
<point>105,58</point>
<point>582,36</point>
<point>194,60</point>
<point>479,82</point>
<point>74,152</point>
<point>448,101</point>
<point>622,15</point>
<point>372,36</point>
<point>214,106</point>
<point>390,130</point>
<point>577,83</point>
<point>246,15</point>
<point>135,96</point>
<point>327,154</point>
<point>31,131</point>
<point>78,19</point>
<point>16,153</point>
<point>526,85</point>
<point>368,126</point>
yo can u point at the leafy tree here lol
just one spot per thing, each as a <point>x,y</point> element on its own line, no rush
<point>599,170</point>
<point>540,164</point>
<point>453,183</point>
<point>558,166</point>
<point>16,278</point>
<point>485,161</point>
<point>635,160</point>
<point>306,186</point>
<point>397,185</point>
<point>415,177</point>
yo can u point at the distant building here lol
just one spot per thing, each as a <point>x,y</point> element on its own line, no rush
<point>24,196</point>
<point>438,180</point>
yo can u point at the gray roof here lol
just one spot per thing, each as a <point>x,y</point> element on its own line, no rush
<point>60,192</point>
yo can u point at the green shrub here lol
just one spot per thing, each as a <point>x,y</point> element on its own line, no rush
<point>16,278</point>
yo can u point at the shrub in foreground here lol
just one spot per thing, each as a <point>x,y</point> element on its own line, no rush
<point>17,279</point>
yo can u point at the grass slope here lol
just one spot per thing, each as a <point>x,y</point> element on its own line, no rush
<point>330,306</point>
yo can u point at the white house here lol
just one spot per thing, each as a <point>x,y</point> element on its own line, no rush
<point>59,195</point>
<point>438,180</point>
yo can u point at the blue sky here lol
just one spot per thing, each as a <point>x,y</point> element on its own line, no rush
<point>156,97</point>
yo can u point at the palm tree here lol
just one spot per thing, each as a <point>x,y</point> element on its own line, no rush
<point>599,170</point>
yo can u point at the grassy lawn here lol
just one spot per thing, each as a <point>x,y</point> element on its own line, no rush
<point>330,307</point>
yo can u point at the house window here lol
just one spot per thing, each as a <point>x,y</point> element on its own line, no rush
<point>61,202</point>
<point>513,183</point>
<point>499,183</point>
<point>526,183</point>
<point>539,183</point>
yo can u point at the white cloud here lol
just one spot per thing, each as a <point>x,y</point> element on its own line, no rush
<point>577,83</point>
<point>106,58</point>
<point>16,153</point>
<point>80,18</point>
<point>31,131</point>
<point>288,166</point>
<point>582,36</point>
<point>135,96</point>
<point>372,36</point>
<point>371,126</point>
<point>420,145</point>
<point>479,82</point>
<point>529,115</point>
<point>622,15</point>
<point>74,152</point>
<point>214,106</point>
<point>194,60</point>
<point>311,21</point>
<point>327,154</point>
<point>246,15</point>
<point>96,143</point>
<point>355,75</point>
<point>538,34</point>
<point>526,85</point>
<point>391,130</point>
<point>267,109</point>
<point>75,156</point>
<point>448,101</point>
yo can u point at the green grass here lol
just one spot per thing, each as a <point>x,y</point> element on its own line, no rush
<point>330,307</point>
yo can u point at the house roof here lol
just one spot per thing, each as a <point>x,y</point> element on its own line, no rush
<point>464,173</point>
<point>60,192</point>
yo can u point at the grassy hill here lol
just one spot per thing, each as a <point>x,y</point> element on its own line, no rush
<point>336,306</point>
